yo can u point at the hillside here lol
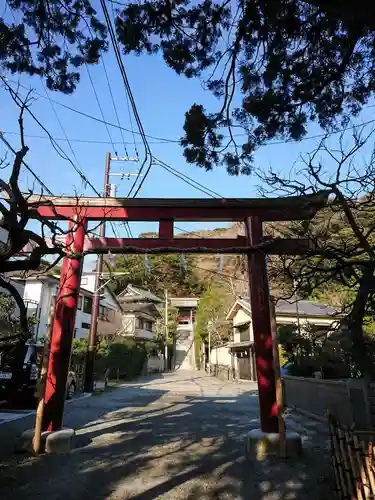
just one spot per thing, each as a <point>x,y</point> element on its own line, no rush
<point>233,273</point>
<point>234,267</point>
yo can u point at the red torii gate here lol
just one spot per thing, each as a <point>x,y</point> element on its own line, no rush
<point>253,212</point>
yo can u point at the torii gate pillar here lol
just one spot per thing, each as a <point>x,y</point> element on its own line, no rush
<point>261,320</point>
<point>63,328</point>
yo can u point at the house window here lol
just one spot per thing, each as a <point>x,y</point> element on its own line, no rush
<point>148,325</point>
<point>139,323</point>
<point>103,313</point>
<point>84,281</point>
<point>87,305</point>
<point>79,303</point>
<point>244,331</point>
<point>86,326</point>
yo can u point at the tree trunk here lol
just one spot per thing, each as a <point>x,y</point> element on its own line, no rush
<point>356,318</point>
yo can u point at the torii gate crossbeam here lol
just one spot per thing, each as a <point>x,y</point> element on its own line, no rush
<point>253,212</point>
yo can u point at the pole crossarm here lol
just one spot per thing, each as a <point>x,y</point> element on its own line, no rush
<point>237,245</point>
<point>180,209</point>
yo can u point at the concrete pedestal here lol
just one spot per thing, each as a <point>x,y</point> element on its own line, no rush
<point>260,445</point>
<point>61,441</point>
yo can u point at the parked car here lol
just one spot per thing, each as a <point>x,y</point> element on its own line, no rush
<point>18,386</point>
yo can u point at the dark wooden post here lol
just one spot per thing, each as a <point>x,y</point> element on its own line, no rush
<point>260,311</point>
<point>63,328</point>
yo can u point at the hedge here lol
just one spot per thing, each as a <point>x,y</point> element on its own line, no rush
<point>124,358</point>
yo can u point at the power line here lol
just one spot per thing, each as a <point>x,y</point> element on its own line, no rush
<point>188,180</point>
<point>114,107</point>
<point>62,128</point>
<point>91,117</point>
<point>56,146</point>
<point>127,97</point>
<point>148,153</point>
<point>84,141</point>
<point>100,108</point>
<point>41,183</point>
<point>178,141</point>
<point>220,274</point>
<point>130,97</point>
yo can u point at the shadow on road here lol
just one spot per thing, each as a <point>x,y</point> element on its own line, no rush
<point>148,443</point>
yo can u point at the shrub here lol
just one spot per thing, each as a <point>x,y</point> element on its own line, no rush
<point>125,357</point>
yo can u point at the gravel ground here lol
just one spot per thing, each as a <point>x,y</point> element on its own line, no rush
<point>173,436</point>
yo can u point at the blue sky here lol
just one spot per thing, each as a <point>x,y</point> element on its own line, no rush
<point>162,98</point>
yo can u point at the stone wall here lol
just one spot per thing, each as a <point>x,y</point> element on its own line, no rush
<point>222,372</point>
<point>347,399</point>
<point>155,364</point>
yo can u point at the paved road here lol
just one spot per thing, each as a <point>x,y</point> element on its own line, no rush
<point>176,436</point>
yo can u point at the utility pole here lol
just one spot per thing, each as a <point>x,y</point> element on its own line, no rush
<point>90,356</point>
<point>109,191</point>
<point>209,348</point>
<point>166,331</point>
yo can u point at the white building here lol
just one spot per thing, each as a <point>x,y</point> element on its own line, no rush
<point>39,290</point>
<point>239,355</point>
<point>140,312</point>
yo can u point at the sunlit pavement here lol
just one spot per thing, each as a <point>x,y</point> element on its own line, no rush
<point>175,436</point>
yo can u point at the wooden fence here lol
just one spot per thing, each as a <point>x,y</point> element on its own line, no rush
<point>353,462</point>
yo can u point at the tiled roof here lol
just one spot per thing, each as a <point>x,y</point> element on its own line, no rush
<point>132,291</point>
<point>139,307</point>
<point>184,301</point>
<point>300,307</point>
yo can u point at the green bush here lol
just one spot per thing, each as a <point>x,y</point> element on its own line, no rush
<point>123,357</point>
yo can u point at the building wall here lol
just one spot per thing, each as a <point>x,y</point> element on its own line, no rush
<point>48,290</point>
<point>41,292</point>
<point>33,297</point>
<point>81,330</point>
<point>33,290</point>
<point>221,356</point>
<point>19,285</point>
<point>112,325</point>
<point>128,324</point>
<point>243,316</point>
<point>239,319</point>
<point>109,326</point>
<point>130,329</point>
<point>113,322</point>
